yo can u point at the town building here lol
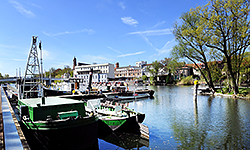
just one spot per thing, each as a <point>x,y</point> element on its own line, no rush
<point>101,72</point>
<point>129,72</point>
<point>183,72</point>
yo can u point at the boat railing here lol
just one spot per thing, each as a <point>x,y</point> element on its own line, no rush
<point>93,104</point>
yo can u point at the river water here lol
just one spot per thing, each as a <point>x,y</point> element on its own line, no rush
<point>175,123</point>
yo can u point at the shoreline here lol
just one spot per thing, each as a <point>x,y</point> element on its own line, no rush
<point>226,95</point>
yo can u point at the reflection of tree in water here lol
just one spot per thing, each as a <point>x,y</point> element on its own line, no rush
<point>188,134</point>
<point>216,127</point>
<point>127,140</point>
<point>230,132</point>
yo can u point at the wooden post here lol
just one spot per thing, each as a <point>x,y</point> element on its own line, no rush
<point>195,101</point>
<point>195,90</point>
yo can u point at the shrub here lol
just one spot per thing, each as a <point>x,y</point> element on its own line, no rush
<point>187,80</point>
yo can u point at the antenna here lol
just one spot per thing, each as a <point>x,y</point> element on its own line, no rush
<point>32,77</point>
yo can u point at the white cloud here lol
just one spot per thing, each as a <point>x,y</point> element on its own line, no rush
<point>8,46</point>
<point>129,21</point>
<point>47,55</point>
<point>168,44</point>
<point>36,6</point>
<point>153,32</point>
<point>121,4</point>
<point>117,51</point>
<point>146,39</point>
<point>89,31</point>
<point>130,54</point>
<point>20,8</point>
<point>158,24</point>
<point>95,58</point>
<point>14,59</point>
<point>166,48</point>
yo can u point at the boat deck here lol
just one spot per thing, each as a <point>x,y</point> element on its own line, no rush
<point>49,101</point>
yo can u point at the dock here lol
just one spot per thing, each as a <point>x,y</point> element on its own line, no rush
<point>11,135</point>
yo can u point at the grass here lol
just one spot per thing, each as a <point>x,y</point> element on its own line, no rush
<point>244,92</point>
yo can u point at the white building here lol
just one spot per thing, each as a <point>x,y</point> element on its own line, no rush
<point>140,63</point>
<point>101,72</point>
<point>129,72</point>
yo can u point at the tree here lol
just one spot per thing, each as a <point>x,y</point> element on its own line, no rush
<point>226,29</point>
<point>245,69</point>
<point>220,28</point>
<point>59,72</point>
<point>144,77</point>
<point>154,70</point>
<point>170,65</point>
<point>188,34</point>
<point>1,76</point>
<point>6,76</point>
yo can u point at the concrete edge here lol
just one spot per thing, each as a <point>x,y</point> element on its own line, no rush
<point>1,124</point>
<point>20,132</point>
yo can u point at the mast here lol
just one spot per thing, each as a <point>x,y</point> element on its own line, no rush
<point>41,57</point>
<point>32,77</point>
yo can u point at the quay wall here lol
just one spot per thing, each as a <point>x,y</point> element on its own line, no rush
<point>11,135</point>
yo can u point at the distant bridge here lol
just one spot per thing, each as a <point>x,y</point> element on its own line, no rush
<point>14,79</point>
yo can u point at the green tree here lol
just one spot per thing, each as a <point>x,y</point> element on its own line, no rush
<point>6,76</point>
<point>188,35</point>
<point>245,69</point>
<point>144,77</point>
<point>154,70</point>
<point>52,72</point>
<point>1,76</point>
<point>220,28</point>
<point>59,72</point>
<point>226,30</point>
<point>170,65</point>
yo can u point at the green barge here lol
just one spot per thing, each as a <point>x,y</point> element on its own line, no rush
<point>56,122</point>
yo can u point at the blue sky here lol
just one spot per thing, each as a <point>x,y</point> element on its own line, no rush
<point>100,31</point>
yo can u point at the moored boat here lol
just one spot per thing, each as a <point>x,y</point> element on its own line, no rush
<point>115,118</point>
<point>51,122</point>
<point>53,92</point>
<point>144,91</point>
<point>58,123</point>
<point>126,97</point>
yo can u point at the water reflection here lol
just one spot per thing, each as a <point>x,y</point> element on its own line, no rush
<point>127,140</point>
<point>176,122</point>
<point>218,126</point>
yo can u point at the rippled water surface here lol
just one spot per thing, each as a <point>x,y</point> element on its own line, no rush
<point>176,123</point>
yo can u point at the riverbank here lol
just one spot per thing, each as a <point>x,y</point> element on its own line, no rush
<point>226,95</point>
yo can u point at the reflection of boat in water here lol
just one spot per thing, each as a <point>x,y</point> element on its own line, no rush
<point>127,140</point>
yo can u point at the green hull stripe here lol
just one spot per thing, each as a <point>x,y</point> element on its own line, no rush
<point>114,122</point>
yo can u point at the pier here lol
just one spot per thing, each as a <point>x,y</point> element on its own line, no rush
<point>11,135</point>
